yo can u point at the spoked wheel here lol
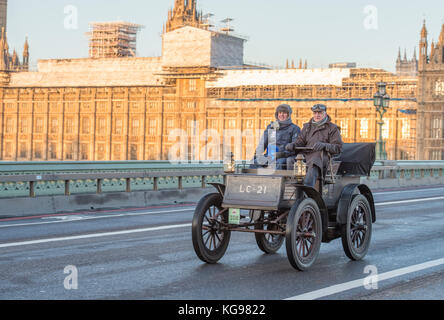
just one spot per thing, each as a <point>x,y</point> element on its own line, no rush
<point>210,239</point>
<point>357,232</point>
<point>303,234</point>
<point>268,242</point>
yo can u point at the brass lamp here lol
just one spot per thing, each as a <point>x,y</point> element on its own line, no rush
<point>229,164</point>
<point>300,168</point>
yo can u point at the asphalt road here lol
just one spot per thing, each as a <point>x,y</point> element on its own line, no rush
<point>148,254</point>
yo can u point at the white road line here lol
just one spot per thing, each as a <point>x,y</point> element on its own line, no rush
<point>93,235</point>
<point>179,210</point>
<point>407,201</point>
<point>166,227</point>
<point>360,282</point>
<point>91,218</point>
<point>406,191</point>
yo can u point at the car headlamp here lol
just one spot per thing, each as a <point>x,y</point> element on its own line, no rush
<point>229,163</point>
<point>300,168</point>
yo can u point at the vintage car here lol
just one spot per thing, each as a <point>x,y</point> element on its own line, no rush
<point>276,206</point>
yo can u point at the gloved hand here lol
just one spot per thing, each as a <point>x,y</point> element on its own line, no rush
<point>289,147</point>
<point>318,146</point>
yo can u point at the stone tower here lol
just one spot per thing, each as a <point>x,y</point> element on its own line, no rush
<point>430,115</point>
<point>183,14</point>
<point>4,60</point>
<point>3,11</point>
<point>406,67</point>
<point>423,47</point>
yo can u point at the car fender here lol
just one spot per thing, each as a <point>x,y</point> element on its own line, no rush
<point>316,196</point>
<point>219,187</point>
<point>365,191</point>
<point>346,198</point>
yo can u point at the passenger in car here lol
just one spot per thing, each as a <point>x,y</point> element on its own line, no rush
<point>322,136</point>
<point>275,138</point>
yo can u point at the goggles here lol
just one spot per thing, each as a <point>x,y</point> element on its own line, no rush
<point>319,107</point>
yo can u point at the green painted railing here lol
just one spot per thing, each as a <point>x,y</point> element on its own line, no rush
<point>22,179</point>
<point>32,179</point>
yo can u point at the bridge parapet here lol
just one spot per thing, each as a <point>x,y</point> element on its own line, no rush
<point>33,179</point>
<point>21,179</point>
<point>51,187</point>
<point>403,173</point>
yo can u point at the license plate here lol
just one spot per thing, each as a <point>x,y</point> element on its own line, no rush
<point>248,191</point>
<point>233,216</point>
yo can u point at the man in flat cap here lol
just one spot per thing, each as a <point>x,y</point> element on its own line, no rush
<point>323,136</point>
<point>276,137</point>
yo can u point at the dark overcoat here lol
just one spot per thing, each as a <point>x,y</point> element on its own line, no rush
<point>328,133</point>
<point>284,135</point>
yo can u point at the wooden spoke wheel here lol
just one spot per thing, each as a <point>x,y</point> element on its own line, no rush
<point>268,242</point>
<point>303,234</point>
<point>356,233</point>
<point>210,238</point>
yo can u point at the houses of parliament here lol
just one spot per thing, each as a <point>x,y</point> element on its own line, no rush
<point>114,105</point>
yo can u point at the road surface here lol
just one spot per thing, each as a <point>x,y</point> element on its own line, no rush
<point>148,254</point>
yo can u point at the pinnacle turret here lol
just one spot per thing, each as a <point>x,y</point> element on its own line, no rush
<point>424,31</point>
<point>183,14</point>
<point>441,36</point>
<point>26,55</point>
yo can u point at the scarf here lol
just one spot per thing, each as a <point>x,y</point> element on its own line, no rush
<point>285,123</point>
<point>320,122</point>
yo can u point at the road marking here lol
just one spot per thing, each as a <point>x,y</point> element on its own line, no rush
<point>64,219</point>
<point>93,235</point>
<point>360,282</point>
<point>92,212</point>
<point>407,201</point>
<point>166,227</point>
<point>406,191</point>
<point>73,218</point>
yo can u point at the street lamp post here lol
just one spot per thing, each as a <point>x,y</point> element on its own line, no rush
<point>381,101</point>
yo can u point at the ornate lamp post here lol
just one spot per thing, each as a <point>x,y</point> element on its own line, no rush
<point>381,101</point>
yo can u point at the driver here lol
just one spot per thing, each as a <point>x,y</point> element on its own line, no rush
<point>323,136</point>
<point>276,137</point>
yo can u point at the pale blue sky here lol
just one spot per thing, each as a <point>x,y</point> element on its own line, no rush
<point>321,31</point>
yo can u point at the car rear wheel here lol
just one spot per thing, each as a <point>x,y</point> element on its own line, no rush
<point>356,233</point>
<point>268,242</point>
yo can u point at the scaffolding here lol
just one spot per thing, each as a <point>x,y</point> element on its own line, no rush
<point>112,39</point>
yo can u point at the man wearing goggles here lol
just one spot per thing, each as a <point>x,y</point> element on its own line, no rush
<point>323,137</point>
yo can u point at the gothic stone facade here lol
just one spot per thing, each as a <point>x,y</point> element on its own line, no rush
<point>140,108</point>
<point>58,116</point>
<point>430,139</point>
